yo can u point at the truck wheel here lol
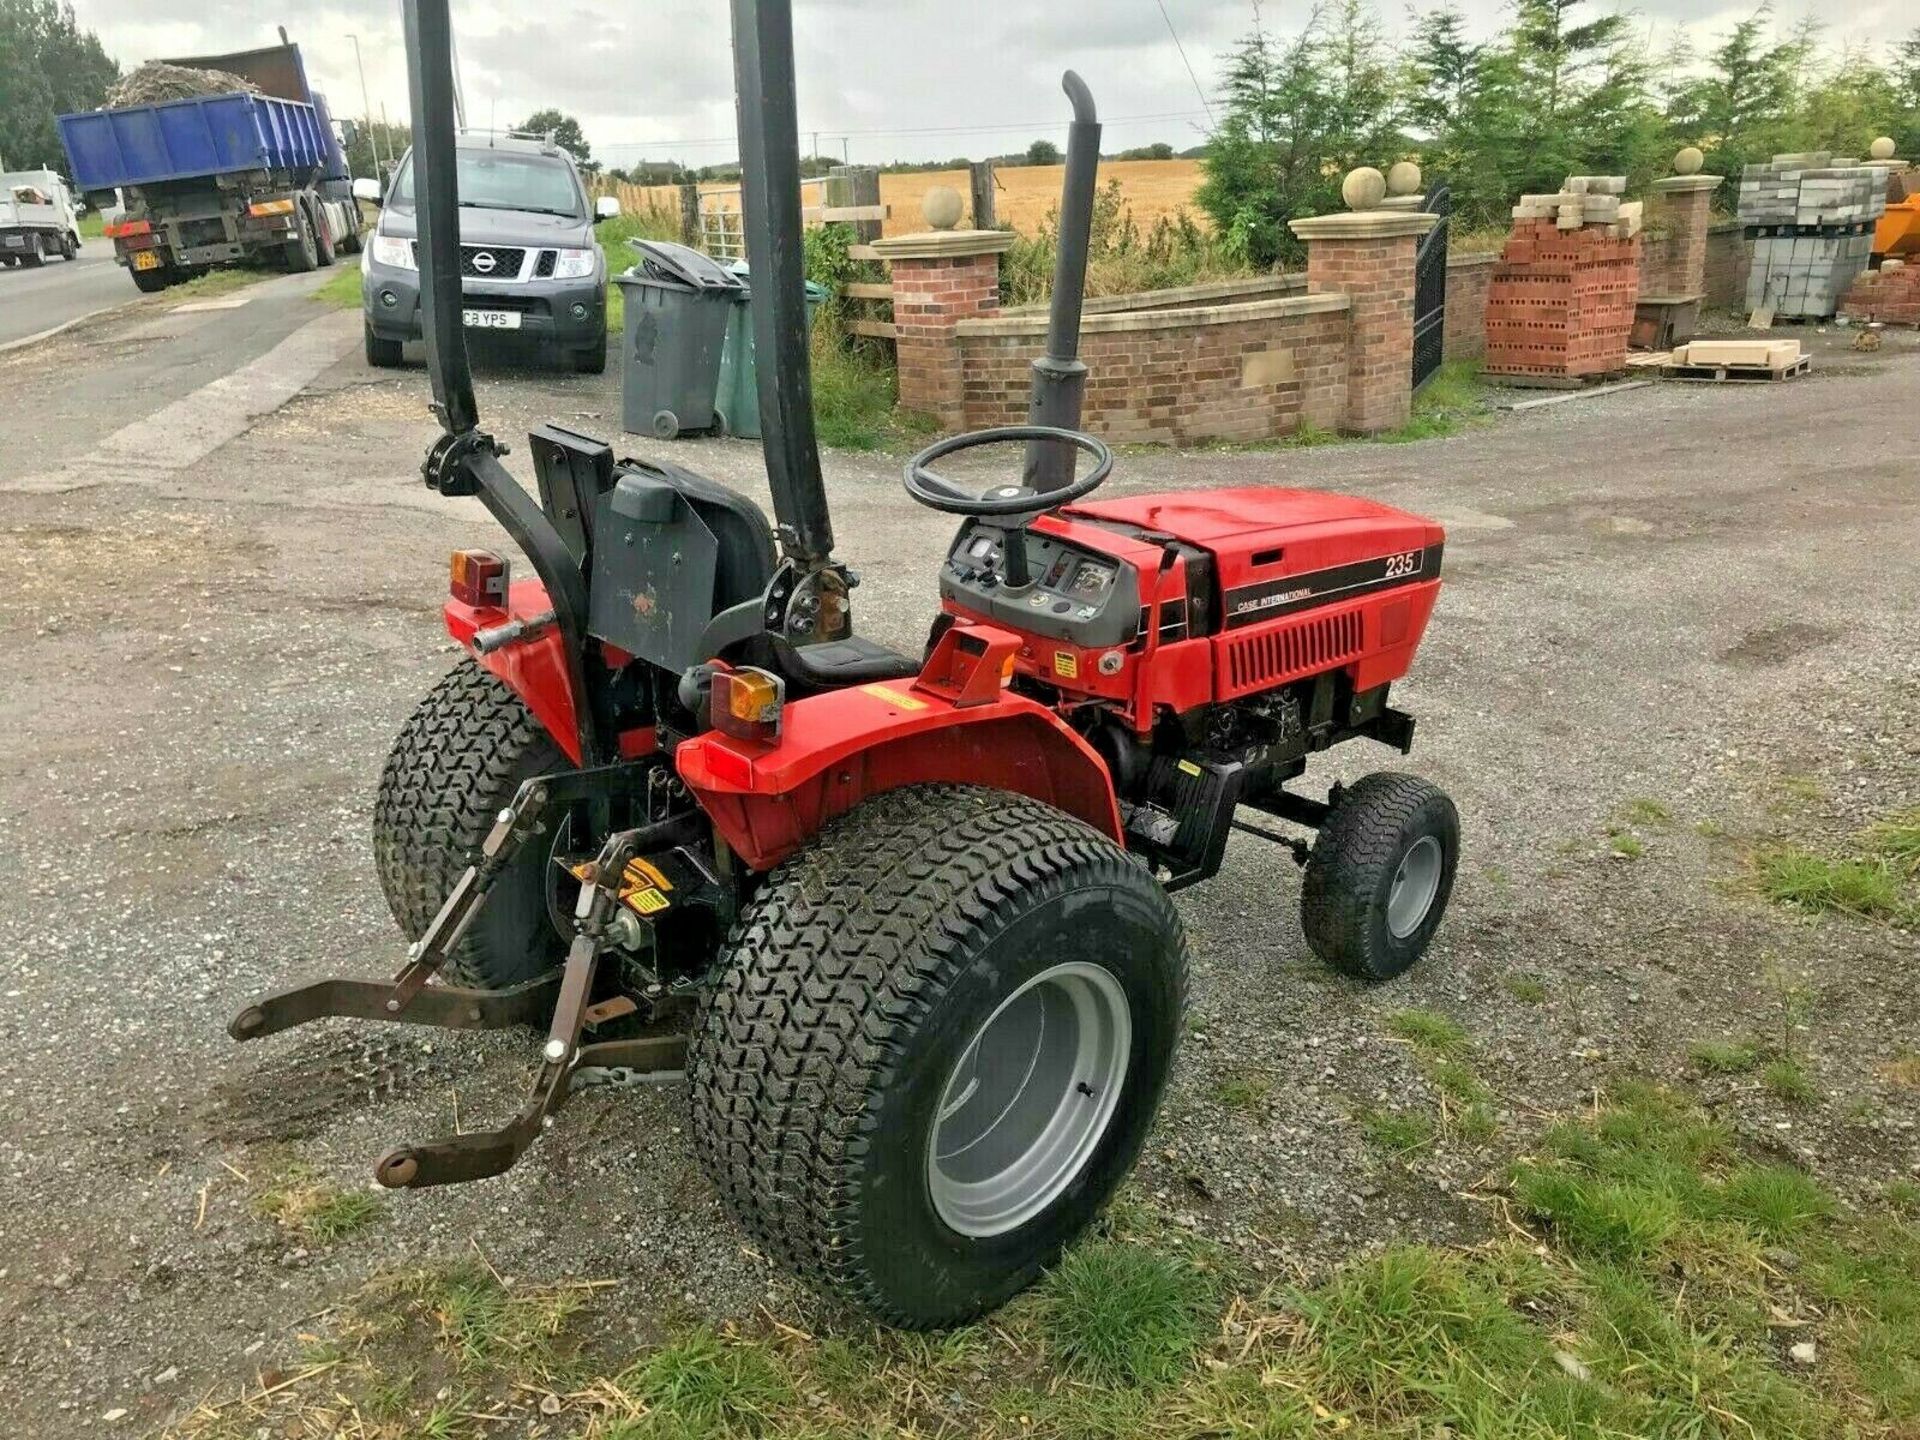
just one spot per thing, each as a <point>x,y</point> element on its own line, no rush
<point>302,252</point>
<point>151,282</point>
<point>323,240</point>
<point>454,766</point>
<point>1380,874</point>
<point>32,256</point>
<point>381,354</point>
<point>69,245</point>
<point>935,1045</point>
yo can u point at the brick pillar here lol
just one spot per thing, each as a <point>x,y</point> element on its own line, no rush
<point>1678,219</point>
<point>939,279</point>
<point>1368,256</point>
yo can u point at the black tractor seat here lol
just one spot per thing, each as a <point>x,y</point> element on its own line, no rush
<point>836,664</point>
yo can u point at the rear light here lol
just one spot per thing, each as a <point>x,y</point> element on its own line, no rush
<point>747,702</point>
<point>271,207</point>
<point>478,578</point>
<point>117,228</point>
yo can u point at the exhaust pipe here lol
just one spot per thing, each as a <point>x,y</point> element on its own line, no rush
<point>1060,376</point>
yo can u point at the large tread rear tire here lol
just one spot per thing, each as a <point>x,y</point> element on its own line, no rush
<point>847,994</point>
<point>463,753</point>
<point>1344,897</point>
<point>302,253</point>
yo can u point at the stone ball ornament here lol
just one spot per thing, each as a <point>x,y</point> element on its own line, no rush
<point>1881,149</point>
<point>1404,179</point>
<point>942,207</point>
<point>1363,188</point>
<point>1689,161</point>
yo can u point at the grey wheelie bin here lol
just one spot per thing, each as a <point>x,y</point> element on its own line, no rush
<point>736,406</point>
<point>677,304</point>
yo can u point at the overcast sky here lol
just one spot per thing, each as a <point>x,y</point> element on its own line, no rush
<point>881,79</point>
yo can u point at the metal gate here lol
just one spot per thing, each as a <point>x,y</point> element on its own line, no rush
<point>1430,289</point>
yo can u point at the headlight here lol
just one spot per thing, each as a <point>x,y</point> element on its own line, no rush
<point>572,264</point>
<point>392,251</point>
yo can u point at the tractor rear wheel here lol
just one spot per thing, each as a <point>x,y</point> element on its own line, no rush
<point>936,1044</point>
<point>1380,875</point>
<point>457,762</point>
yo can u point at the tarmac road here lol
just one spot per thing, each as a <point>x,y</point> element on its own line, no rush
<point>61,291</point>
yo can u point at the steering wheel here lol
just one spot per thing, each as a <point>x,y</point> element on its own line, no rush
<point>1003,500</point>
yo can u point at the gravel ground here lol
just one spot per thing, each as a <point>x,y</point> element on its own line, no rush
<point>1699,596</point>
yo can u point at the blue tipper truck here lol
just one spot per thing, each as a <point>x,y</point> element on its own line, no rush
<point>220,178</point>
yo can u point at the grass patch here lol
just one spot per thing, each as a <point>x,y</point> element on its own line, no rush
<point>1903,1070</point>
<point>1787,1078</point>
<point>1527,989</point>
<point>1243,1092</point>
<point>1723,1057</point>
<point>1624,844</point>
<point>1430,1032</point>
<point>1119,1314</point>
<point>1399,1131</point>
<point>1896,842</point>
<point>215,283</point>
<point>342,290</point>
<point>1816,884</point>
<point>304,1201</point>
<point>1451,400</point>
<point>702,1385</point>
<point>1644,810</point>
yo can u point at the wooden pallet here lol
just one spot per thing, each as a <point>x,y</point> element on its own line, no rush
<point>1723,373</point>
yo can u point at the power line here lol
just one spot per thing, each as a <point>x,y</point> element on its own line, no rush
<point>1197,88</point>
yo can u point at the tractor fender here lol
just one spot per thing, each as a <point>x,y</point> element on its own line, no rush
<point>534,668</point>
<point>837,749</point>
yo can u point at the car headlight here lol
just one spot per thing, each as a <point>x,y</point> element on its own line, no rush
<point>393,251</point>
<point>572,264</point>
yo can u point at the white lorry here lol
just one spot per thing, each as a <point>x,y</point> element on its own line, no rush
<point>37,218</point>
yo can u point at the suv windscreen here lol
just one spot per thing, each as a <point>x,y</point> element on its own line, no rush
<point>504,180</point>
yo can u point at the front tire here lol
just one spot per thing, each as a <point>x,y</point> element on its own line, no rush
<point>903,1085</point>
<point>457,763</point>
<point>1380,875</point>
<point>303,251</point>
<point>382,354</point>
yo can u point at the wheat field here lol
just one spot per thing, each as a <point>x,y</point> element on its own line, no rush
<point>1152,188</point>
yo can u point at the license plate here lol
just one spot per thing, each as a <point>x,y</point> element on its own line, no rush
<point>492,319</point>
<point>146,260</point>
<point>17,242</point>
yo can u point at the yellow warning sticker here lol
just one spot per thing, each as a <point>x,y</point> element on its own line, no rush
<point>647,901</point>
<point>1066,663</point>
<point>894,697</point>
<point>1189,767</point>
<point>644,872</point>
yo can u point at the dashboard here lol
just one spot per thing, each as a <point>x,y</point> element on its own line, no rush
<point>1077,595</point>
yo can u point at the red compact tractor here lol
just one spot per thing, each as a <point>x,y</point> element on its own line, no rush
<point>902,921</point>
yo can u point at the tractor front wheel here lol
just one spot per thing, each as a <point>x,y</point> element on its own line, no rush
<point>457,763</point>
<point>1381,871</point>
<point>936,1043</point>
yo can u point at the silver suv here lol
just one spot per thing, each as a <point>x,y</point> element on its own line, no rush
<point>529,264</point>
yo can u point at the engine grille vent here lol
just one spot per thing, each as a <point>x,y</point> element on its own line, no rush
<point>1300,649</point>
<point>491,262</point>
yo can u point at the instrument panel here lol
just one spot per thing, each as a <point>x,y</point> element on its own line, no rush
<point>1077,595</point>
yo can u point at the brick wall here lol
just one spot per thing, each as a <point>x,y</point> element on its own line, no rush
<point>1376,276</point>
<point>1467,278</point>
<point>1726,266</point>
<point>1239,372</point>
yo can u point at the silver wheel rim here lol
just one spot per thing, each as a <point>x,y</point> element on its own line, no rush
<point>1029,1099</point>
<point>1415,884</point>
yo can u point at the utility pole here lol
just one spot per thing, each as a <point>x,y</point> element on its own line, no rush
<point>459,86</point>
<point>366,104</point>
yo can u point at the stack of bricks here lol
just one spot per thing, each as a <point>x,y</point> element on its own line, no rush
<point>1890,295</point>
<point>1560,304</point>
<point>1809,222</point>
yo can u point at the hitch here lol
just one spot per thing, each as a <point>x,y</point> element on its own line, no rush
<point>563,995</point>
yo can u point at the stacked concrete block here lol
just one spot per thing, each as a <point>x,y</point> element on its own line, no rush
<point>1560,303</point>
<point>1890,295</point>
<point>1809,222</point>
